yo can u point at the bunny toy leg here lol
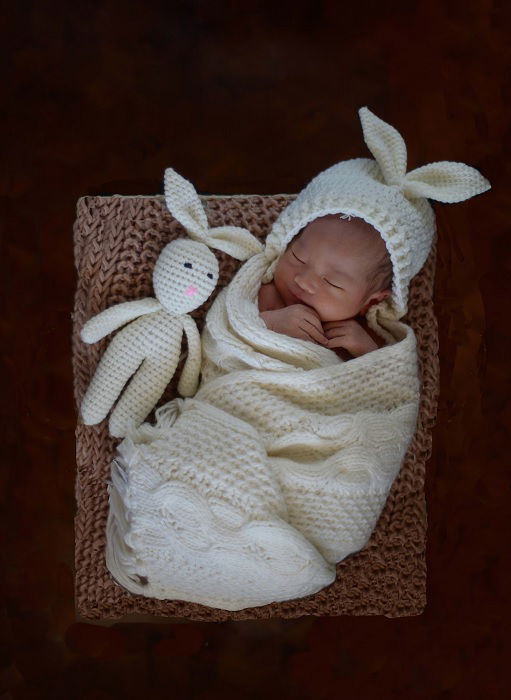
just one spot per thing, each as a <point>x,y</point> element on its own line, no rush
<point>143,392</point>
<point>189,379</point>
<point>119,362</point>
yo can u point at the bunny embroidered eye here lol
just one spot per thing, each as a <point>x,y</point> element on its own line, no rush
<point>188,265</point>
<point>210,275</point>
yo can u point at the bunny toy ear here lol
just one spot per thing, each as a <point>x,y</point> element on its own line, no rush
<point>184,204</point>
<point>443,181</point>
<point>235,241</point>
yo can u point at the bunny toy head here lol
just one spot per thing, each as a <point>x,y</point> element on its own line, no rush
<point>184,275</point>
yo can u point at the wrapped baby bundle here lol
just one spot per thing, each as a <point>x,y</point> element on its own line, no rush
<point>278,468</point>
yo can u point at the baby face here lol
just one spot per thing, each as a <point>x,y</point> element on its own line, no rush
<point>326,267</point>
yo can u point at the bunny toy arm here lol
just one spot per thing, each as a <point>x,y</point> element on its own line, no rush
<point>147,350</point>
<point>189,378</point>
<point>116,316</point>
<point>147,385</point>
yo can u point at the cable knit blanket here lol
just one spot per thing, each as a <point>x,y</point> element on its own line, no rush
<point>276,470</point>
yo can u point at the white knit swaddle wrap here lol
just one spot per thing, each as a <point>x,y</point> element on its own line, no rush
<point>280,465</point>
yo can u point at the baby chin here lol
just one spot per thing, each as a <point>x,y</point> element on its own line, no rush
<point>301,298</point>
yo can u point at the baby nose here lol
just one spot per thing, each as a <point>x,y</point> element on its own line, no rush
<point>307,282</point>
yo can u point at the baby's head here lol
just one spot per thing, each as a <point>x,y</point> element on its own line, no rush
<point>338,266</point>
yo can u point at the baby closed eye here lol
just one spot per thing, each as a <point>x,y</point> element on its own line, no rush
<point>323,278</point>
<point>333,285</point>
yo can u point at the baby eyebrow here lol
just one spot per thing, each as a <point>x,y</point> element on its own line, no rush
<point>334,271</point>
<point>343,274</point>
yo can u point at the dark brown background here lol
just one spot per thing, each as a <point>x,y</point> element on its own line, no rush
<point>252,97</point>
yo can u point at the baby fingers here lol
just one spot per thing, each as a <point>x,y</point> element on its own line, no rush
<point>337,342</point>
<point>330,324</point>
<point>345,324</point>
<point>313,332</point>
<point>334,332</point>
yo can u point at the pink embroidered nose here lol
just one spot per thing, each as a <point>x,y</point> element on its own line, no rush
<point>191,290</point>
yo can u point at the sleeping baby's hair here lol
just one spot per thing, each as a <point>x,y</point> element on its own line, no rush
<point>381,273</point>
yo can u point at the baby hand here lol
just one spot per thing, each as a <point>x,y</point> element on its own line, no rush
<point>350,335</point>
<point>297,321</point>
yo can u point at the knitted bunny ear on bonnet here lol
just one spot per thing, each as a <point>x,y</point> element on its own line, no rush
<point>184,204</point>
<point>381,192</point>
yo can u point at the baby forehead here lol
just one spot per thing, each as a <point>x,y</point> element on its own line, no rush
<point>355,236</point>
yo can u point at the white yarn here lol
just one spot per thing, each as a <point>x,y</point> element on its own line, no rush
<point>184,204</point>
<point>277,469</point>
<point>280,465</point>
<point>148,350</point>
<point>383,194</point>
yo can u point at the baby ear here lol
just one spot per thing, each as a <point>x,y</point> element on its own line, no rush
<point>375,298</point>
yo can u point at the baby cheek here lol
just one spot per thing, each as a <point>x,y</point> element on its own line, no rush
<point>336,309</point>
<point>280,274</point>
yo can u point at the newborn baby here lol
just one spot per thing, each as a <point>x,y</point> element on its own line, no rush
<point>324,283</point>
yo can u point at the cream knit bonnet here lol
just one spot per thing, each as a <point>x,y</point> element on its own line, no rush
<point>381,192</point>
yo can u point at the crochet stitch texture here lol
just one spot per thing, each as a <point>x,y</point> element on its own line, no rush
<point>174,515</point>
<point>117,242</point>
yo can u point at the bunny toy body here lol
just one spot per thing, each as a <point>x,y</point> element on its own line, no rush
<point>148,348</point>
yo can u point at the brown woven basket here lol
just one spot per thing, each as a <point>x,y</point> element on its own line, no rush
<point>116,242</point>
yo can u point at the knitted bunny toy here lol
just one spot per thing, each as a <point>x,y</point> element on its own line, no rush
<point>184,277</point>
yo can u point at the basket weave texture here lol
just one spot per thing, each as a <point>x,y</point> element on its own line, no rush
<point>117,240</point>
